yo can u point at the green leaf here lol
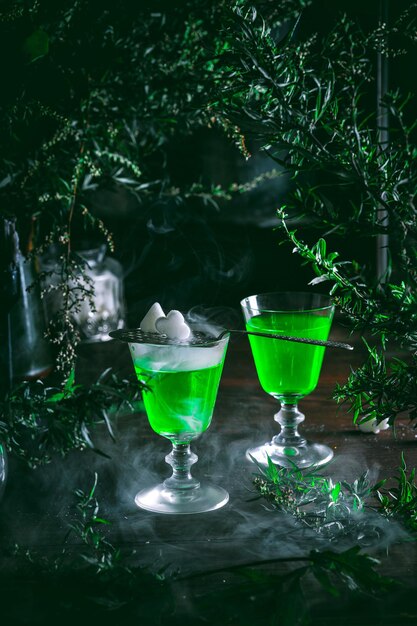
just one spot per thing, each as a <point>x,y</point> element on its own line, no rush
<point>100,520</point>
<point>93,488</point>
<point>321,249</point>
<point>291,603</point>
<point>354,568</point>
<point>335,492</point>
<point>272,471</point>
<point>108,424</point>
<point>56,397</point>
<point>70,381</point>
<point>324,579</point>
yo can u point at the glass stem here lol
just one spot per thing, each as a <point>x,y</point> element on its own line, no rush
<point>181,459</point>
<point>289,417</point>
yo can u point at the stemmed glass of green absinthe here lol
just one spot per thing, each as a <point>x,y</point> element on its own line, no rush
<point>181,378</point>
<point>288,371</point>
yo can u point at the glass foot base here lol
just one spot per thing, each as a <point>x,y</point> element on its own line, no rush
<point>304,456</point>
<point>174,501</point>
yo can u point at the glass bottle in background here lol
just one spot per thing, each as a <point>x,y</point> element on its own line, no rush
<point>105,283</point>
<point>31,355</point>
<point>9,290</point>
<point>108,310</point>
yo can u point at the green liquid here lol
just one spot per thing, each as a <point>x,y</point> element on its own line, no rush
<point>287,369</point>
<point>180,403</point>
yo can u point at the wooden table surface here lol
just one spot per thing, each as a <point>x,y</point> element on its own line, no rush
<point>38,504</point>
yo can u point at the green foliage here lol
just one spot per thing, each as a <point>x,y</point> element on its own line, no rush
<point>38,421</point>
<point>388,311</point>
<point>306,101</point>
<point>377,389</point>
<point>351,568</point>
<point>332,510</point>
<point>100,581</point>
<point>400,498</point>
<point>106,102</point>
<point>101,553</point>
<point>87,583</point>
<point>99,96</point>
<point>279,595</point>
<point>336,510</point>
<point>305,98</point>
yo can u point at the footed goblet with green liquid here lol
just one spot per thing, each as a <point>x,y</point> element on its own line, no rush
<point>288,371</point>
<point>181,380</point>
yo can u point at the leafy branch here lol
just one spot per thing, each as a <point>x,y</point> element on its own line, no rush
<point>304,99</point>
<point>399,498</point>
<point>379,389</point>
<point>38,421</point>
<point>340,509</point>
<point>389,311</point>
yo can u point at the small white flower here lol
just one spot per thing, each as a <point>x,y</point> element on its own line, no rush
<point>372,426</point>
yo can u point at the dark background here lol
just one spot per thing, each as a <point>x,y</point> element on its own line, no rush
<point>186,255</point>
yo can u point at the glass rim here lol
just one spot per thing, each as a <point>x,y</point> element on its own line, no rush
<point>245,301</point>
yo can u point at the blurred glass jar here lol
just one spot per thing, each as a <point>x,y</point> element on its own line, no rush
<point>105,276</point>
<point>100,275</point>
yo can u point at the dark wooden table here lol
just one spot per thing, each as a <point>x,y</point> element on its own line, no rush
<point>38,505</point>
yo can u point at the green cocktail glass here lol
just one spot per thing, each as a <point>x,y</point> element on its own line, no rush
<point>182,379</point>
<point>179,404</point>
<point>288,371</point>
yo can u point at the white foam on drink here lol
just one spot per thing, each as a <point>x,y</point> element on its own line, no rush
<point>180,357</point>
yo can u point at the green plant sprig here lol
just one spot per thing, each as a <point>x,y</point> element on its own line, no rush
<point>398,498</point>
<point>87,525</point>
<point>389,311</point>
<point>379,389</point>
<point>38,421</point>
<point>333,510</point>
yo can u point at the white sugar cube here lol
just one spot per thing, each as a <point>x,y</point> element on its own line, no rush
<point>148,324</point>
<point>173,326</point>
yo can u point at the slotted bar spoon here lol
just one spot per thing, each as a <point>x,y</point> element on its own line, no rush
<point>135,335</point>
